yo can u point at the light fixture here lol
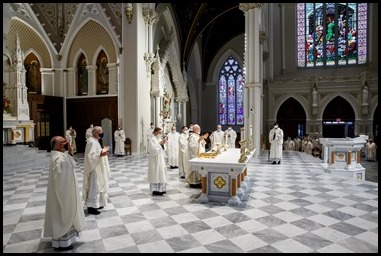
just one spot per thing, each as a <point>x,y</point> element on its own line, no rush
<point>128,12</point>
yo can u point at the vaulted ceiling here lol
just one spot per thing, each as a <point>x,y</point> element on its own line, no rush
<point>213,23</point>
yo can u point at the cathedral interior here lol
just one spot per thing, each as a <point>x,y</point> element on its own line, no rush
<point>311,67</point>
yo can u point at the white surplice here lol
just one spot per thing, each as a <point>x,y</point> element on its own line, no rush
<point>183,154</point>
<point>173,148</point>
<point>64,215</point>
<point>95,175</point>
<point>119,137</point>
<point>230,136</point>
<point>276,144</point>
<point>157,169</point>
<point>217,137</point>
<point>194,148</point>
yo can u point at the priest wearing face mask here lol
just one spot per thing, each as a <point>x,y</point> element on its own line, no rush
<point>173,148</point>
<point>196,145</point>
<point>230,136</point>
<point>183,152</point>
<point>119,138</point>
<point>157,168</point>
<point>96,173</point>
<point>150,134</point>
<point>276,140</point>
<point>217,137</point>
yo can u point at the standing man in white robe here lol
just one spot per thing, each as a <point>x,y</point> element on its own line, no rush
<point>230,136</point>
<point>276,140</point>
<point>196,145</point>
<point>157,169</point>
<point>289,144</point>
<point>183,152</point>
<point>96,173</point>
<point>119,138</point>
<point>149,134</point>
<point>173,148</point>
<point>371,150</point>
<point>89,131</point>
<point>64,216</point>
<point>217,137</point>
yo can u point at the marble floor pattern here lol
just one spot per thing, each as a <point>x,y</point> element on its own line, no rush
<point>292,207</point>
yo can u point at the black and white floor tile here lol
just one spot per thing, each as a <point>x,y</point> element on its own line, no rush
<point>291,207</point>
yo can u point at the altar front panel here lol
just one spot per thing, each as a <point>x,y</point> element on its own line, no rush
<point>223,176</point>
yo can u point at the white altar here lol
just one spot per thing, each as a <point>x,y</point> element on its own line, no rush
<point>222,176</point>
<point>342,156</point>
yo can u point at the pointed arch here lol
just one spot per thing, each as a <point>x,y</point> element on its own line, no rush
<point>221,60</point>
<point>292,116</point>
<point>302,101</point>
<point>348,97</point>
<point>338,118</point>
<point>230,92</point>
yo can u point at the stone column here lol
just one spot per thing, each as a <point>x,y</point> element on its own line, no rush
<point>253,76</point>
<point>113,78</point>
<point>92,79</point>
<point>136,95</point>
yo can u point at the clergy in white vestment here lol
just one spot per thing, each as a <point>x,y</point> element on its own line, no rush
<point>230,136</point>
<point>96,173</point>
<point>64,216</point>
<point>196,145</point>
<point>89,131</point>
<point>217,137</point>
<point>150,134</point>
<point>173,148</point>
<point>119,138</point>
<point>289,144</point>
<point>308,147</point>
<point>183,152</point>
<point>276,147</point>
<point>298,142</point>
<point>157,169</point>
<point>371,150</point>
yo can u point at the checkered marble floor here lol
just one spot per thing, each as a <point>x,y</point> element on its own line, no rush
<point>292,207</point>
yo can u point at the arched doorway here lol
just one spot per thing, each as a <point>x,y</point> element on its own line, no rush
<point>292,118</point>
<point>338,119</point>
<point>376,130</point>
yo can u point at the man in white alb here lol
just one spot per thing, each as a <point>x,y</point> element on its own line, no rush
<point>173,148</point>
<point>119,138</point>
<point>149,134</point>
<point>89,131</point>
<point>276,140</point>
<point>230,136</point>
<point>196,145</point>
<point>217,137</point>
<point>183,152</point>
<point>64,216</point>
<point>96,173</point>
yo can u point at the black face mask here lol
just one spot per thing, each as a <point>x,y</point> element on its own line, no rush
<point>101,135</point>
<point>66,146</point>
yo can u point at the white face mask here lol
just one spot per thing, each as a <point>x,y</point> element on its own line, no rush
<point>219,129</point>
<point>229,128</point>
<point>173,131</point>
<point>152,127</point>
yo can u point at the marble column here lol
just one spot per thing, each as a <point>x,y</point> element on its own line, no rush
<point>252,66</point>
<point>136,96</point>
<point>92,79</point>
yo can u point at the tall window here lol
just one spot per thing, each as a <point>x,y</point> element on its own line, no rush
<point>332,34</point>
<point>230,93</point>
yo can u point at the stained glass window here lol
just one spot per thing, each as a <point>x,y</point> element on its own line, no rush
<point>331,34</point>
<point>230,93</point>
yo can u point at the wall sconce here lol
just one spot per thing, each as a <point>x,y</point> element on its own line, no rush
<point>128,12</point>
